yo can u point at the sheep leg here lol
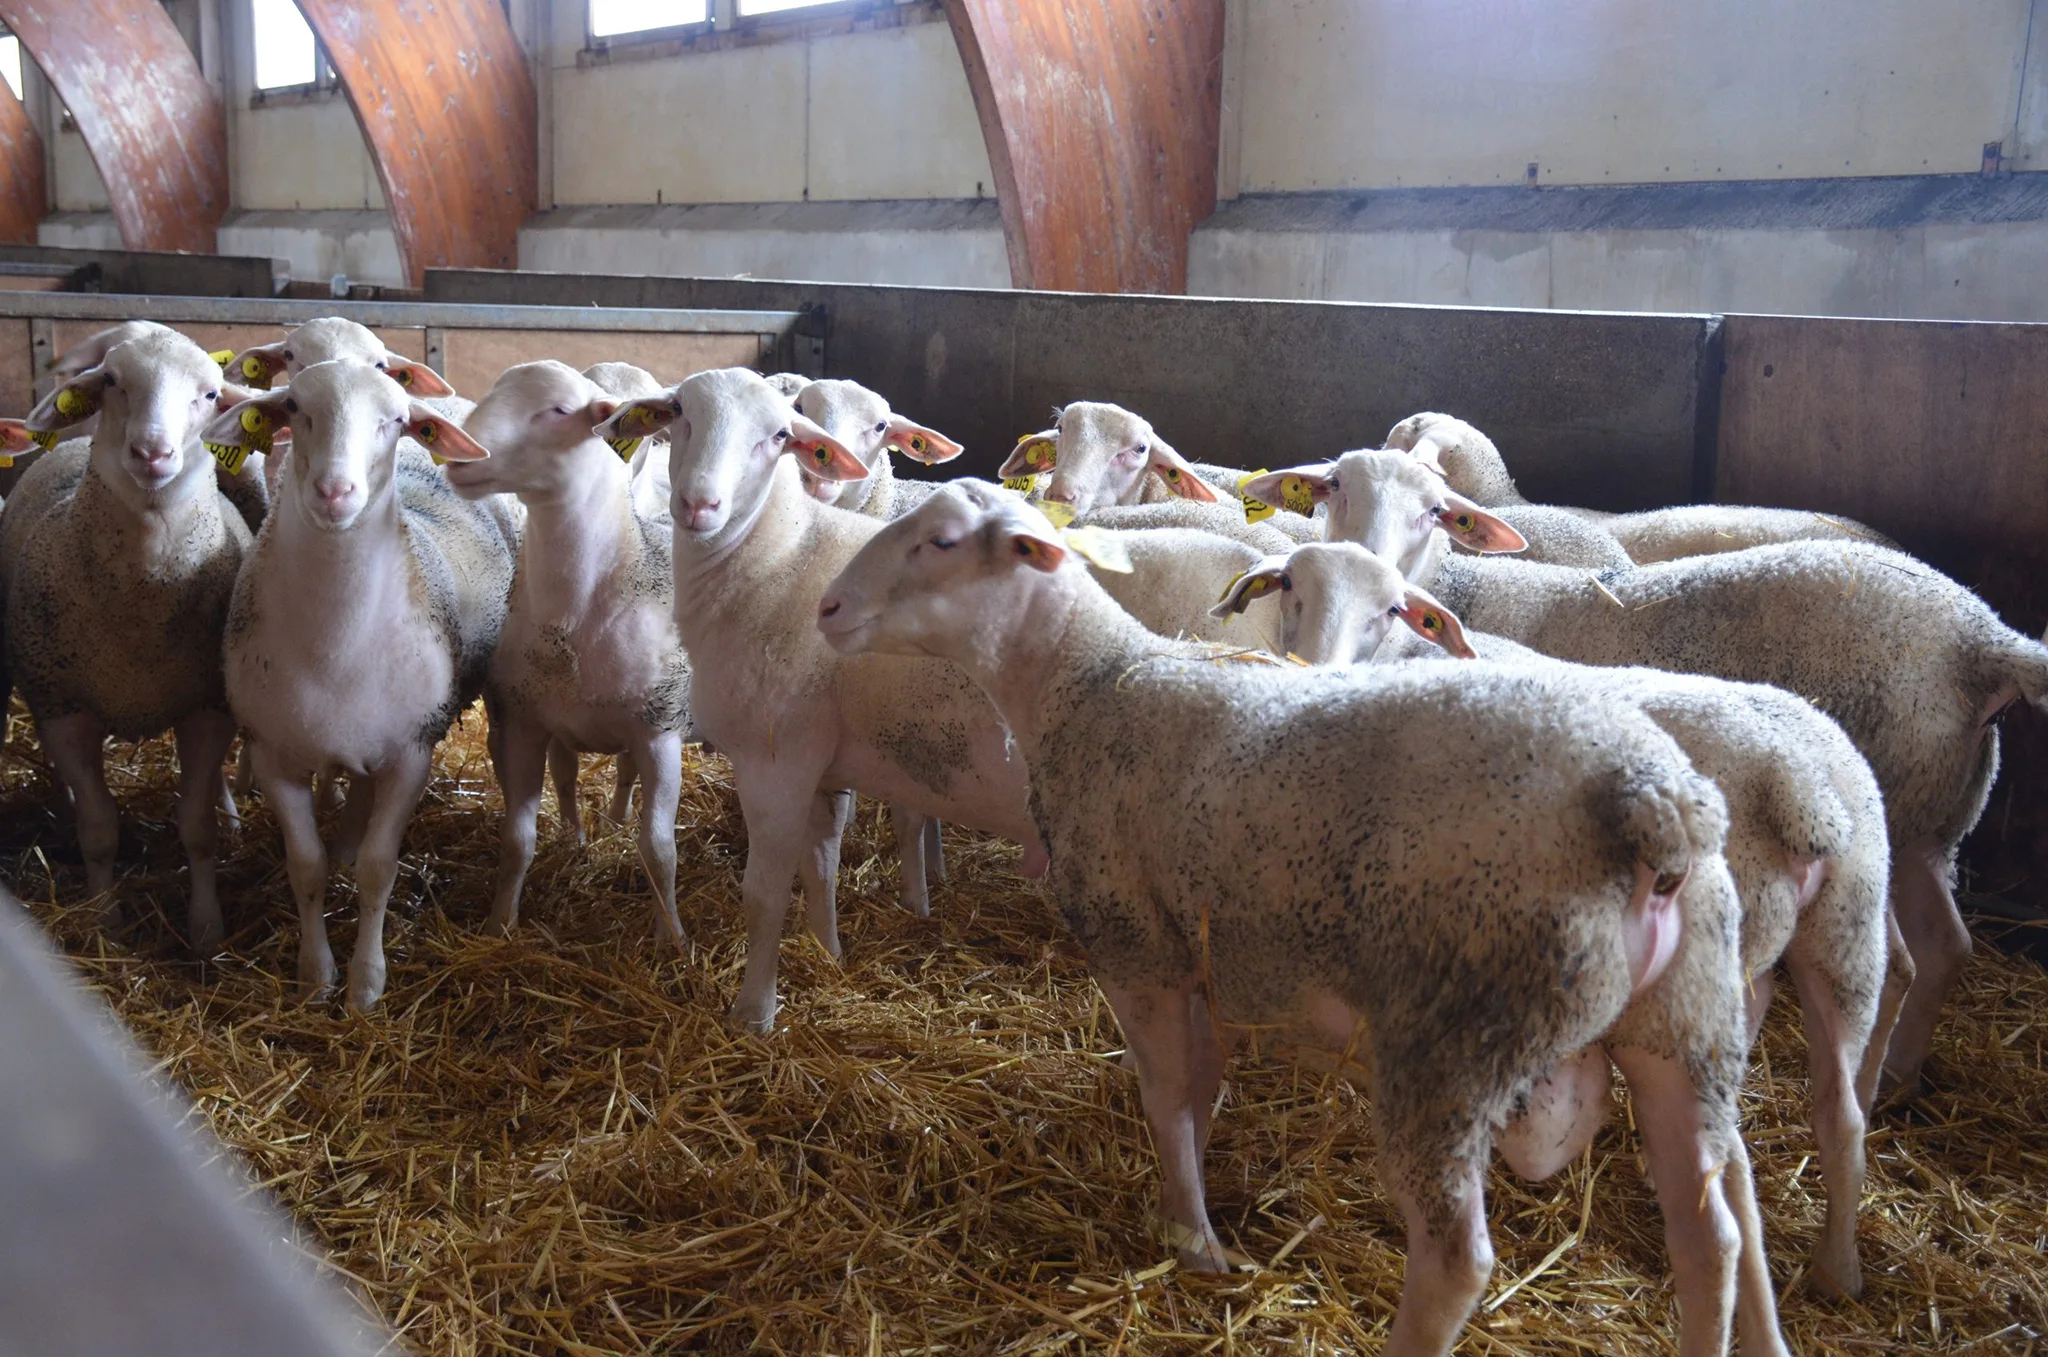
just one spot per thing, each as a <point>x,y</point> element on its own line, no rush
<point>1939,942</point>
<point>562,772</point>
<point>934,852</point>
<point>245,768</point>
<point>526,750</point>
<point>1898,981</point>
<point>76,747</point>
<point>398,786</point>
<point>1450,1254</point>
<point>231,812</point>
<point>1157,1023</point>
<point>203,739</point>
<point>357,803</point>
<point>659,762</point>
<point>622,789</point>
<point>331,793</point>
<point>1837,1033</point>
<point>818,868</point>
<point>777,838</point>
<point>1691,1161</point>
<point>1206,1070</point>
<point>910,855</point>
<point>1763,986</point>
<point>291,800</point>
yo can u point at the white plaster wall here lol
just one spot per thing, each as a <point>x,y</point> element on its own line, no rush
<point>1337,94</point>
<point>302,155</point>
<point>76,185</point>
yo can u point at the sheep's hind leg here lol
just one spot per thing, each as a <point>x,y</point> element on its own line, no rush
<point>203,739</point>
<point>562,772</point>
<point>818,868</point>
<point>1442,1197</point>
<point>1940,943</point>
<point>911,842</point>
<point>659,762</point>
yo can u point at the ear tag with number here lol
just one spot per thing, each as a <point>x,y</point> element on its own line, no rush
<point>1258,588</point>
<point>1060,515</point>
<point>426,435</point>
<point>257,370</point>
<point>625,447</point>
<point>223,357</point>
<point>1024,485</point>
<point>1100,549</point>
<point>1255,510</point>
<point>1297,496</point>
<point>74,404</point>
<point>45,438</point>
<point>1040,453</point>
<point>231,457</point>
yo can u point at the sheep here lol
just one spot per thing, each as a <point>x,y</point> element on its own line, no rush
<point>1806,836</point>
<point>1915,668</point>
<point>1225,518</point>
<point>1176,574</point>
<point>752,553</point>
<point>1249,842</point>
<point>333,337</point>
<point>119,558</point>
<point>588,658</point>
<point>647,457</point>
<point>863,422</point>
<point>1100,455</point>
<point>362,624</point>
<point>1472,465</point>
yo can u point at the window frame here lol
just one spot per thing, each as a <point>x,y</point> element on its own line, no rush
<point>324,85</point>
<point>725,21</point>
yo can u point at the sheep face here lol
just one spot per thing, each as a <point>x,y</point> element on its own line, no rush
<point>534,417</point>
<point>152,394</point>
<point>1100,455</point>
<point>1390,504</point>
<point>863,422</point>
<point>331,339</point>
<point>941,576</point>
<point>727,428</point>
<point>1337,601</point>
<point>345,419</point>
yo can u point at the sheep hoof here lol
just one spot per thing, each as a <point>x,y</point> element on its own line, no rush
<point>208,939</point>
<point>755,1017</point>
<point>1833,1282</point>
<point>364,991</point>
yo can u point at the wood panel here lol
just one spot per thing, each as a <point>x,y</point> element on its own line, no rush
<point>23,194</point>
<point>155,128</point>
<point>441,90</point>
<point>474,358</point>
<point>1102,123</point>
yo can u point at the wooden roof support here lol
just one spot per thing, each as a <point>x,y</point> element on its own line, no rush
<point>447,108</point>
<point>23,194</point>
<point>1102,122</point>
<point>155,128</point>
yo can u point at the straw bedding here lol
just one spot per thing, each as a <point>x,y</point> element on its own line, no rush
<point>552,1144</point>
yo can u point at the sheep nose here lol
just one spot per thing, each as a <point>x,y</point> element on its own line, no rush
<point>696,511</point>
<point>1059,494</point>
<point>334,491</point>
<point>152,452</point>
<point>828,608</point>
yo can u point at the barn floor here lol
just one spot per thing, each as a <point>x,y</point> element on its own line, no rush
<point>552,1144</point>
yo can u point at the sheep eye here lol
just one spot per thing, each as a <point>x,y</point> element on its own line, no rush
<point>1286,583</point>
<point>944,543</point>
<point>1441,510</point>
<point>782,436</point>
<point>211,396</point>
<point>883,427</point>
<point>291,407</point>
<point>1394,611</point>
<point>287,355</point>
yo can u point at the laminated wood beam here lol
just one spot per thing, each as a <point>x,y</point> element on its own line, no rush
<point>23,194</point>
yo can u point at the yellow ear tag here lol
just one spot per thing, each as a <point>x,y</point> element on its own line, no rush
<point>403,376</point>
<point>918,445</point>
<point>822,455</point>
<point>1170,474</point>
<point>47,438</point>
<point>1297,496</point>
<point>257,370</point>
<point>74,404</point>
<point>625,447</point>
<point>1465,522</point>
<point>1257,588</point>
<point>1060,515</point>
<point>425,435</point>
<point>1023,485</point>
<point>223,357</point>
<point>1098,548</point>
<point>229,457</point>
<point>1039,454</point>
<point>256,422</point>
<point>1254,509</point>
<point>6,460</point>
<point>1432,622</point>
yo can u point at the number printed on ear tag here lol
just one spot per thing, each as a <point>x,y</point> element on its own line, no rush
<point>625,447</point>
<point>1023,485</point>
<point>223,357</point>
<point>1254,509</point>
<point>1297,496</point>
<point>229,457</point>
<point>46,438</point>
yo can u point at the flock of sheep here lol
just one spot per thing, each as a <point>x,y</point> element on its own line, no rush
<point>1693,743</point>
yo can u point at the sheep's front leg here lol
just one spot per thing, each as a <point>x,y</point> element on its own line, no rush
<point>779,811</point>
<point>1711,1229</point>
<point>397,786</point>
<point>911,841</point>
<point>1442,1197</point>
<point>290,796</point>
<point>818,868</point>
<point>934,852</point>
<point>659,763</point>
<point>622,789</point>
<point>1173,1085</point>
<point>526,749</point>
<point>562,772</point>
<point>76,745</point>
<point>203,740</point>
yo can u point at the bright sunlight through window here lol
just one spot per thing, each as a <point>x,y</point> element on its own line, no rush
<point>10,63</point>
<point>609,18</point>
<point>752,7</point>
<point>285,51</point>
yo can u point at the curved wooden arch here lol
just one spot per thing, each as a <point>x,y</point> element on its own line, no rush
<point>1102,123</point>
<point>155,128</point>
<point>442,93</point>
<point>23,191</point>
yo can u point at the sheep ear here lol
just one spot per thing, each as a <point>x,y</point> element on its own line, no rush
<point>1257,582</point>
<point>1040,553</point>
<point>14,437</point>
<point>1432,621</point>
<point>441,437</point>
<point>788,383</point>
<point>918,442</point>
<point>1297,490</point>
<point>251,426</point>
<point>258,367</point>
<point>1429,454</point>
<point>1471,526</point>
<point>1034,452</point>
<point>417,378</point>
<point>821,454</point>
<point>639,418</point>
<point>72,403</point>
<point>1174,469</point>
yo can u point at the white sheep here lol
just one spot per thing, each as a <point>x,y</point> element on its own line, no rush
<point>1806,833</point>
<point>1472,465</point>
<point>1473,874</point>
<point>1915,668</point>
<point>1097,455</point>
<point>588,659</point>
<point>362,625</point>
<point>865,425</point>
<point>119,557</point>
<point>1225,517</point>
<point>752,554</point>
<point>1175,577</point>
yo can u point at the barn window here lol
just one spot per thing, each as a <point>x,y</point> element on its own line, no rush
<point>10,63</point>
<point>610,18</point>
<point>287,57</point>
